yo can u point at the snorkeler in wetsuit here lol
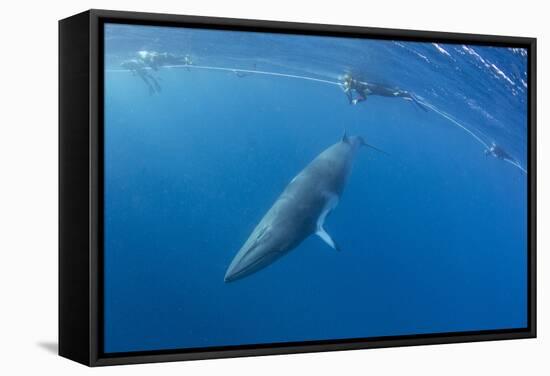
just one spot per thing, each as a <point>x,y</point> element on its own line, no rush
<point>138,68</point>
<point>363,90</point>
<point>156,60</point>
<point>499,153</point>
<point>243,73</point>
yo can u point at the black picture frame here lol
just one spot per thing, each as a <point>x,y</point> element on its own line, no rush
<point>81,182</point>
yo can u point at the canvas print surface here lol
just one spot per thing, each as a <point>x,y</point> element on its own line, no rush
<point>264,188</point>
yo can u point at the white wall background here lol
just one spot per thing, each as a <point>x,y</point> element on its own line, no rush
<point>28,185</point>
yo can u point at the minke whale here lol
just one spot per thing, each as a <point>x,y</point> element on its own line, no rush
<point>300,210</point>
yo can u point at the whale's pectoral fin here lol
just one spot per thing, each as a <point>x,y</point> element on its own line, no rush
<point>326,238</point>
<point>332,201</point>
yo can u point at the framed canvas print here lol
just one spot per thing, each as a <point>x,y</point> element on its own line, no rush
<point>237,187</point>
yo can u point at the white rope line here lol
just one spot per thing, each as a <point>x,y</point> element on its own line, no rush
<point>514,163</point>
<point>335,83</point>
<point>236,70</point>
<point>476,137</point>
<point>450,118</point>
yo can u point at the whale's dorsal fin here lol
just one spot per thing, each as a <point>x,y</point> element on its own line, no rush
<point>345,137</point>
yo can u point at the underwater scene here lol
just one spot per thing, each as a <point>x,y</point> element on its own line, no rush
<point>264,188</point>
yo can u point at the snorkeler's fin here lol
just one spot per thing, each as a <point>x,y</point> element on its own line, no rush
<point>158,88</point>
<point>326,238</point>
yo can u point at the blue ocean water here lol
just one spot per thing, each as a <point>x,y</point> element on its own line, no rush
<point>433,236</point>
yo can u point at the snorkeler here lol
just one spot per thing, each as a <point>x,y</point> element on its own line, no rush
<point>156,60</point>
<point>363,90</point>
<point>243,73</point>
<point>138,68</point>
<point>499,153</point>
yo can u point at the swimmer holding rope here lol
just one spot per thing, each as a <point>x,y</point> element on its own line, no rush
<point>358,91</point>
<point>499,153</point>
<point>156,60</point>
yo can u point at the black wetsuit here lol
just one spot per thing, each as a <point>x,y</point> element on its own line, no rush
<point>156,60</point>
<point>364,89</point>
<point>500,153</point>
